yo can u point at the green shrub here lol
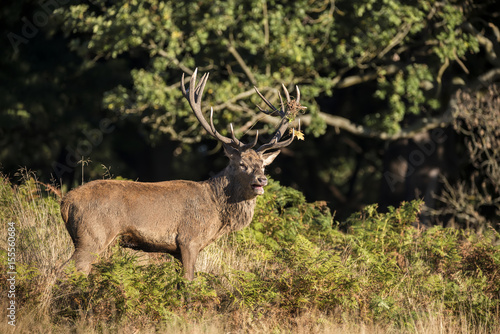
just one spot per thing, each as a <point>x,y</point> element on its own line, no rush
<point>282,214</point>
<point>119,288</point>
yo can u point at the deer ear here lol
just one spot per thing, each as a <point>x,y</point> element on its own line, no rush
<point>230,151</point>
<point>269,157</point>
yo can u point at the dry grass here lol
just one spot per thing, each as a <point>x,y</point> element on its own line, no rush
<point>226,253</point>
<point>42,241</point>
<point>309,322</point>
<point>39,223</point>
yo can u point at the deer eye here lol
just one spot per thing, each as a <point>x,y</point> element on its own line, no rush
<point>243,167</point>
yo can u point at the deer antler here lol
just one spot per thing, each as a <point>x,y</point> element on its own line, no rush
<point>194,95</point>
<point>285,113</point>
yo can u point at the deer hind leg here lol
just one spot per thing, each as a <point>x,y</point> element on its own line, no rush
<point>87,251</point>
<point>83,259</point>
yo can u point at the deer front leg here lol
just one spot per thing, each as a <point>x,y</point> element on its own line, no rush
<point>189,253</point>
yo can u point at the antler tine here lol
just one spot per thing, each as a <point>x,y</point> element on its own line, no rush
<point>241,145</point>
<point>277,136</point>
<point>286,142</point>
<point>234,142</point>
<point>264,111</point>
<point>194,96</point>
<point>266,101</point>
<point>282,112</point>
<point>286,92</point>
<point>275,143</point>
<point>183,86</point>
<point>201,86</point>
<point>194,93</point>
<point>233,136</point>
<point>250,145</point>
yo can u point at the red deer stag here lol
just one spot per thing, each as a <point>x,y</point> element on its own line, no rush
<point>177,217</point>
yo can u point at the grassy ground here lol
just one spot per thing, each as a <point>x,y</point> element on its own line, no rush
<point>291,271</point>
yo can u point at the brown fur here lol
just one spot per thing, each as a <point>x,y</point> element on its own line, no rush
<point>177,217</point>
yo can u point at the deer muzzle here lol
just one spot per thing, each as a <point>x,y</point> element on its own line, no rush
<point>258,187</point>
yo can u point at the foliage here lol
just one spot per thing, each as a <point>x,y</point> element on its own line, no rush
<point>245,43</point>
<point>282,214</point>
<point>119,288</point>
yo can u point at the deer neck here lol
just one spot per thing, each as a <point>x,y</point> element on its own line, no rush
<point>236,211</point>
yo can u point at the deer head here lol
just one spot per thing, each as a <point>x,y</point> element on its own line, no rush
<point>246,164</point>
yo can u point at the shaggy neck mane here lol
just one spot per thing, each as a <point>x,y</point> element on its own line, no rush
<point>236,210</point>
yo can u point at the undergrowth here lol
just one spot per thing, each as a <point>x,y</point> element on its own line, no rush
<point>292,269</point>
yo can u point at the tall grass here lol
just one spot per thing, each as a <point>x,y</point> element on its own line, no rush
<point>292,270</point>
<point>42,242</point>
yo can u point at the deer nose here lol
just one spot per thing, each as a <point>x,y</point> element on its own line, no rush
<point>262,181</point>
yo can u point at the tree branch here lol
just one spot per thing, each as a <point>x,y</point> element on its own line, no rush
<point>161,52</point>
<point>403,32</point>
<point>423,125</point>
<point>485,79</point>
<point>240,61</point>
<point>486,43</point>
<point>358,79</point>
